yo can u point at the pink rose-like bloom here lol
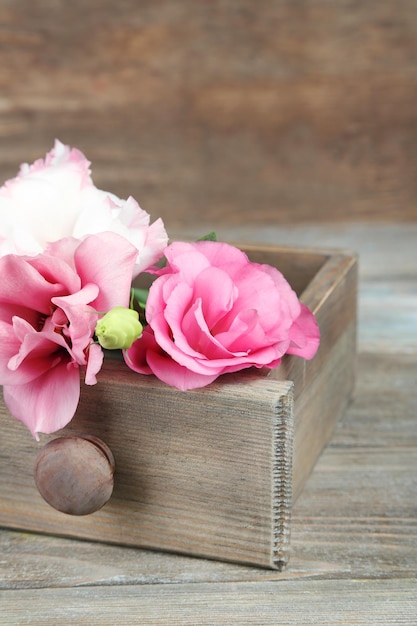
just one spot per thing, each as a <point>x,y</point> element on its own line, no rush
<point>48,313</point>
<point>212,311</point>
<point>55,198</point>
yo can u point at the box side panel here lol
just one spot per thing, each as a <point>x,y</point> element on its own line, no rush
<point>194,471</point>
<point>325,384</point>
<point>322,403</point>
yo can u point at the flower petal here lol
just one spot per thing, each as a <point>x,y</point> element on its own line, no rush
<point>146,357</point>
<point>135,356</point>
<point>38,352</point>
<point>81,318</point>
<point>107,260</point>
<point>95,357</point>
<point>47,403</point>
<point>171,373</point>
<point>23,284</point>
<point>304,335</point>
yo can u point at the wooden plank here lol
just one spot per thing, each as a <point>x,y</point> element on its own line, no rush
<point>207,473</point>
<point>325,398</point>
<point>389,316</point>
<point>340,603</point>
<point>383,411</point>
<point>324,385</point>
<point>372,531</point>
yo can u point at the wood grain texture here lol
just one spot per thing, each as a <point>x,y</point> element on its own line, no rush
<point>354,527</point>
<point>222,112</point>
<point>324,385</point>
<point>207,473</point>
<point>379,602</point>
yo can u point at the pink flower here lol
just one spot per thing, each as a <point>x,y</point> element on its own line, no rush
<point>212,311</point>
<point>48,313</point>
<point>55,198</point>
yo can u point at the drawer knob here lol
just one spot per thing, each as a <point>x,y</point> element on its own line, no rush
<point>75,475</point>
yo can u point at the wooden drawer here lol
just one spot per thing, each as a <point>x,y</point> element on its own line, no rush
<point>211,472</point>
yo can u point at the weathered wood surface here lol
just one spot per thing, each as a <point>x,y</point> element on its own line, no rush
<point>274,110</point>
<point>354,536</point>
<point>379,602</point>
<point>207,474</point>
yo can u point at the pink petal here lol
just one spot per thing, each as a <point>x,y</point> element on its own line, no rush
<point>23,285</point>
<point>81,317</point>
<point>220,254</point>
<point>149,240</point>
<point>21,328</point>
<point>37,353</point>
<point>49,402</point>
<point>276,310</point>
<point>107,260</point>
<point>245,333</point>
<point>146,357</point>
<point>95,357</point>
<point>135,356</point>
<point>78,299</point>
<point>160,292</point>
<point>217,292</point>
<point>64,249</point>
<point>304,335</point>
<point>9,346</point>
<point>171,373</point>
<point>60,272</point>
<point>8,310</point>
<point>184,258</point>
<point>197,336</point>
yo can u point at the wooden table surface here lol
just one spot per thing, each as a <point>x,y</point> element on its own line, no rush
<point>354,538</point>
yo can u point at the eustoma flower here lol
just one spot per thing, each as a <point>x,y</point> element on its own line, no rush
<point>49,307</point>
<point>212,311</point>
<point>55,198</point>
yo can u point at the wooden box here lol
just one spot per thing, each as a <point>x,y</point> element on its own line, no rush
<point>210,472</point>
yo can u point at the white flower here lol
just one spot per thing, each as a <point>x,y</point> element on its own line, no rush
<point>56,198</point>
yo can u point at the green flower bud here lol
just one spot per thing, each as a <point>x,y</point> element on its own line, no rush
<point>118,329</point>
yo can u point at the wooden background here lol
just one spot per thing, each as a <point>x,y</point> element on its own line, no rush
<point>221,111</point>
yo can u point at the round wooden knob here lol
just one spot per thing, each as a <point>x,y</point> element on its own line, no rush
<point>75,474</point>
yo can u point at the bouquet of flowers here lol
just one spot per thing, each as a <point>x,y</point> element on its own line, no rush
<point>69,255</point>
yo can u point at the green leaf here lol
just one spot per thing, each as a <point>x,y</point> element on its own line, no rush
<point>209,237</point>
<point>140,295</point>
